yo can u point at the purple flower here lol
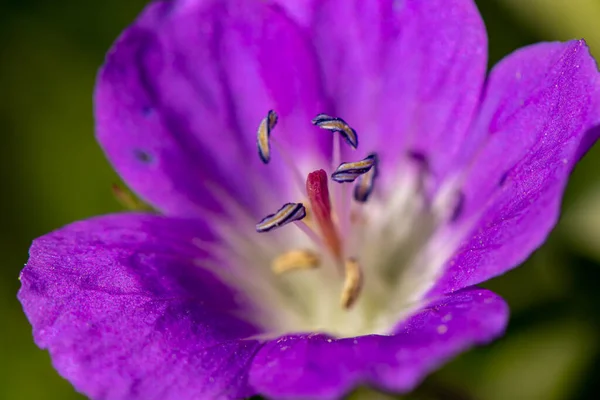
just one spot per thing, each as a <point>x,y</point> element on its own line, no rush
<point>366,278</point>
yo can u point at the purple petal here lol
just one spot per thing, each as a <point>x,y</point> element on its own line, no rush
<point>126,314</point>
<point>183,91</point>
<point>407,75</point>
<point>320,367</point>
<point>536,121</point>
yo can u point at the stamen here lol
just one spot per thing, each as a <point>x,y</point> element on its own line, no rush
<point>320,204</point>
<point>349,171</point>
<point>309,232</point>
<point>290,212</point>
<point>295,260</point>
<point>336,158</point>
<point>366,182</point>
<point>128,199</point>
<point>263,135</point>
<point>423,170</point>
<point>337,125</point>
<point>288,160</point>
<point>352,284</point>
<point>264,142</point>
<point>272,119</point>
<point>344,208</point>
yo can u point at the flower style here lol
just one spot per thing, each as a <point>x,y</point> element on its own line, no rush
<point>333,178</point>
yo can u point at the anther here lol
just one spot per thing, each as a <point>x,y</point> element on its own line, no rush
<point>349,171</point>
<point>423,169</point>
<point>263,135</point>
<point>352,284</point>
<point>295,260</point>
<point>366,182</point>
<point>337,125</point>
<point>290,212</point>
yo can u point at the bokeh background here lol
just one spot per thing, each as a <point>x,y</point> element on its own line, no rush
<point>52,172</point>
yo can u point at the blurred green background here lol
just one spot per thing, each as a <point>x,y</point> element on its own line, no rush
<point>52,173</point>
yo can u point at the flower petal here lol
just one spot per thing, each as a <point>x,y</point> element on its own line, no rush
<point>126,314</point>
<point>407,75</point>
<point>540,114</point>
<point>182,93</point>
<point>320,367</point>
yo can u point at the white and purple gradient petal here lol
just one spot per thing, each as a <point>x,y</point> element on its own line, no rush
<point>182,92</point>
<point>120,301</point>
<point>540,114</point>
<point>126,314</point>
<point>306,366</point>
<point>393,67</point>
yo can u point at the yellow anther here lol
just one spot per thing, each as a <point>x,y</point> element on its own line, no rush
<point>352,284</point>
<point>295,260</point>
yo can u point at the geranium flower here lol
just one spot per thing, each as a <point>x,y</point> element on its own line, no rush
<point>283,261</point>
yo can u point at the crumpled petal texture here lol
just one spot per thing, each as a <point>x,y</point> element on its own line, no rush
<point>127,314</point>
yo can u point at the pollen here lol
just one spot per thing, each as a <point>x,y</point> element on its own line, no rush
<point>349,171</point>
<point>264,134</point>
<point>295,260</point>
<point>366,182</point>
<point>290,212</point>
<point>337,125</point>
<point>352,284</point>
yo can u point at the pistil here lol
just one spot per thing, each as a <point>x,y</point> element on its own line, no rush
<point>320,205</point>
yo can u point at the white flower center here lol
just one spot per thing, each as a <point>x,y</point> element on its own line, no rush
<point>354,267</point>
